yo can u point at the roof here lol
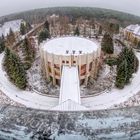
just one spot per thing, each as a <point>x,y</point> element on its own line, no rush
<point>68,45</point>
<point>135,29</point>
<point>69,105</point>
<point>70,87</point>
<point>131,27</point>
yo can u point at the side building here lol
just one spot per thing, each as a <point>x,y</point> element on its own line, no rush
<point>132,33</point>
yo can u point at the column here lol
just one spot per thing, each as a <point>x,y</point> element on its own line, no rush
<point>53,70</point>
<point>87,70</point>
<point>46,66</point>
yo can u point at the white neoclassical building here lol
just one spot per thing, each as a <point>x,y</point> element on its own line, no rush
<point>83,53</point>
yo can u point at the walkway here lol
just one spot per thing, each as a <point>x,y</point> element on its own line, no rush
<point>70,87</point>
<point>69,99</point>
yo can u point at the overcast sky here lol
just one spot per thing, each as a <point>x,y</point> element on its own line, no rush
<point>12,6</point>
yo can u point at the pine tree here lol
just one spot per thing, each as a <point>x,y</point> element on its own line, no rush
<point>122,73</point>
<point>47,25</point>
<point>11,38</point>
<point>25,28</point>
<point>15,69</point>
<point>43,35</point>
<point>28,52</point>
<point>2,44</point>
<point>127,64</point>
<point>28,27</point>
<point>77,32</point>
<point>107,44</point>
<point>100,30</point>
<point>22,29</point>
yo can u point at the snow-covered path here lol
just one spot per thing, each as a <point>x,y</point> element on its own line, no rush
<point>115,96</point>
<point>70,87</point>
<point>102,101</point>
<point>27,98</point>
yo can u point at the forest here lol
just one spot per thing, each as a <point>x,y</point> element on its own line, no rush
<point>99,14</point>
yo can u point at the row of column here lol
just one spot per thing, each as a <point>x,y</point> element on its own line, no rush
<point>78,62</point>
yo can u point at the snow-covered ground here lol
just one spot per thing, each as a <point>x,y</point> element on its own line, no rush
<point>6,100</point>
<point>70,88</point>
<point>14,25</point>
<point>27,98</point>
<point>109,99</point>
<point>104,82</point>
<point>114,96</point>
<point>37,82</point>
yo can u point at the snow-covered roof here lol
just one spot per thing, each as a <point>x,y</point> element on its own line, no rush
<point>69,105</point>
<point>68,45</point>
<point>14,25</point>
<point>131,27</point>
<point>135,29</point>
<point>70,87</point>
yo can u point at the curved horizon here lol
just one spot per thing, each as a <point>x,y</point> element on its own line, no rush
<point>126,6</point>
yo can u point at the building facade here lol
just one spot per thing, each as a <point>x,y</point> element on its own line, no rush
<point>132,33</point>
<point>70,53</point>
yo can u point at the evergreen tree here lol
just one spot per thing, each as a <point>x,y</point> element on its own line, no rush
<point>25,28</point>
<point>11,37</point>
<point>122,73</point>
<point>15,69</point>
<point>100,30</point>
<point>107,44</point>
<point>28,52</point>
<point>127,64</point>
<point>2,44</point>
<point>47,25</point>
<point>28,27</point>
<point>77,32</point>
<point>43,35</point>
<point>22,29</point>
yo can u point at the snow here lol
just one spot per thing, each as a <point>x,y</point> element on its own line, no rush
<point>114,96</point>
<point>69,105</point>
<point>132,27</point>
<point>37,82</point>
<point>135,29</point>
<point>102,101</point>
<point>59,46</point>
<point>14,25</point>
<point>69,99</point>
<point>70,87</point>
<point>28,98</point>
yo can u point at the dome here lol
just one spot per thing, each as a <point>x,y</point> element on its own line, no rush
<point>70,45</point>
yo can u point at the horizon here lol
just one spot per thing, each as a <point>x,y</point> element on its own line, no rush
<point>25,5</point>
<point>70,7</point>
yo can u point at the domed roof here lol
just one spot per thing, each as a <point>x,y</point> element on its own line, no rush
<point>69,45</point>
